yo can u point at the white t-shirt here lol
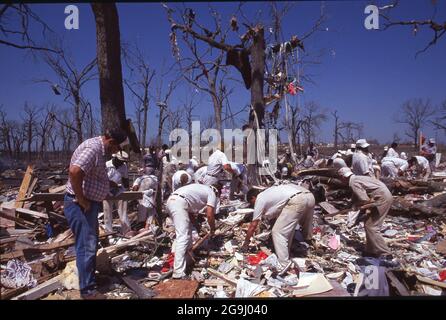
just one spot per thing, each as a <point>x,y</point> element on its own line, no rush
<point>216,162</point>
<point>423,163</point>
<point>361,164</point>
<point>198,196</point>
<point>270,202</point>
<point>397,162</point>
<point>238,168</point>
<point>116,175</point>
<point>391,153</point>
<point>200,173</point>
<point>176,179</point>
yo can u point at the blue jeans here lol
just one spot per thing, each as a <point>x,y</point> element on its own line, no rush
<point>85,227</point>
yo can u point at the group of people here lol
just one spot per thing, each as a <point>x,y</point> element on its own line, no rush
<point>192,189</point>
<point>392,164</point>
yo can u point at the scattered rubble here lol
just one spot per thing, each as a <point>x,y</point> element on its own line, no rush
<point>38,259</point>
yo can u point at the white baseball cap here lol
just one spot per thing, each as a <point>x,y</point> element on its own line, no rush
<point>362,143</point>
<point>345,172</point>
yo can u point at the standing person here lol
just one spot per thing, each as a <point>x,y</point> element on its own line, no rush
<point>182,206</point>
<point>151,161</point>
<point>361,161</point>
<point>217,162</point>
<point>87,187</point>
<point>239,180</point>
<point>291,205</point>
<point>392,151</point>
<point>369,190</point>
<point>429,151</point>
<point>118,174</point>
<point>148,185</point>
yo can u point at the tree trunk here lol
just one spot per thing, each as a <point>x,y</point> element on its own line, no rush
<point>144,128</point>
<point>109,65</point>
<point>257,102</point>
<point>77,116</point>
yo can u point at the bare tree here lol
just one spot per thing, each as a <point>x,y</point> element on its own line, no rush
<point>438,28</point>
<point>140,78</point>
<point>415,114</point>
<point>70,82</point>
<point>348,131</point>
<point>5,132</point>
<point>440,117</point>
<point>16,21</point>
<point>18,135</point>
<point>162,99</point>
<point>44,126</point>
<point>313,117</point>
<point>30,121</point>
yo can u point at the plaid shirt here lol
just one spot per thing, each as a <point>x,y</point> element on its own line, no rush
<point>90,157</point>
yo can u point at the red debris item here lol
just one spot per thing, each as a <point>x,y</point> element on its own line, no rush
<point>168,264</point>
<point>442,275</point>
<point>317,230</point>
<point>292,89</point>
<point>255,259</point>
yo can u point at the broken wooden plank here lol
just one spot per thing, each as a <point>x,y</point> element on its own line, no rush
<point>128,196</point>
<point>24,186</point>
<point>58,189</point>
<point>42,289</point>
<point>397,284</point>
<point>229,280</point>
<point>431,282</point>
<point>32,213</point>
<point>141,291</point>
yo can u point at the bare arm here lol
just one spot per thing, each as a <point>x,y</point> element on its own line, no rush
<point>211,218</point>
<point>77,177</point>
<point>251,229</point>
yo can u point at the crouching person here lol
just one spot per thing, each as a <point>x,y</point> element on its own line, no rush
<point>182,205</point>
<point>291,205</point>
<point>371,191</point>
<point>147,184</point>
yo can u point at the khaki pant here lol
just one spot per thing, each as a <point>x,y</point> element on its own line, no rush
<point>178,211</point>
<point>298,210</point>
<point>121,205</point>
<point>375,243</point>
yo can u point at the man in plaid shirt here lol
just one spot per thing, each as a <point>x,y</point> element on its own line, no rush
<point>87,187</point>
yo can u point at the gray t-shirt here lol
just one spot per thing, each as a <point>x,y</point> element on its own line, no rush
<point>270,202</point>
<point>198,196</point>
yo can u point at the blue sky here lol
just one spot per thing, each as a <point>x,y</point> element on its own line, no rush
<point>365,75</point>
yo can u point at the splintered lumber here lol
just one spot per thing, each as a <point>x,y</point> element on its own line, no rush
<point>131,241</point>
<point>57,189</point>
<point>24,186</point>
<point>231,281</point>
<point>401,205</point>
<point>397,284</point>
<point>128,196</point>
<point>42,289</point>
<point>32,213</point>
<point>141,291</point>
